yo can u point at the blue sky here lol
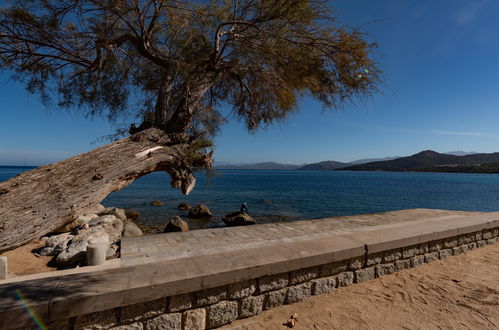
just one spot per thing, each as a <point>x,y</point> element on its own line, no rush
<point>441,64</point>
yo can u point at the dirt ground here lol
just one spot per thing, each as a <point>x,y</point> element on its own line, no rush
<point>459,292</point>
<point>22,261</point>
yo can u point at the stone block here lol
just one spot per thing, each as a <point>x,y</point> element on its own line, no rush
<point>450,243</point>
<point>472,246</point>
<point>477,235</point>
<point>356,263</point>
<point>373,259</point>
<point>94,321</point>
<point>436,246</point>
<point>242,289</point>
<point>445,253</point>
<point>146,310</point>
<point>424,248</point>
<point>392,256</point>
<point>417,261</point>
<point>133,326</point>
<point>180,302</point>
<point>409,252</point>
<point>465,239</point>
<point>211,296</point>
<point>333,268</point>
<point>487,234</point>
<point>402,264</point>
<point>303,275</point>
<point>344,279</point>
<point>481,243</point>
<point>273,282</point>
<point>274,298</point>
<point>456,251</point>
<point>364,274</point>
<point>194,319</point>
<point>171,321</point>
<point>221,313</point>
<point>298,292</point>
<point>251,306</point>
<point>3,268</point>
<point>323,285</point>
<point>492,240</point>
<point>465,248</point>
<point>431,256</point>
<point>384,269</point>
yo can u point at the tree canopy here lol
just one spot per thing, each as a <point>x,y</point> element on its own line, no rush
<point>174,64</point>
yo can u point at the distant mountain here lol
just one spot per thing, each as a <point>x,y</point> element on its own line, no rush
<point>426,160</point>
<point>260,166</point>
<point>370,160</point>
<point>460,153</point>
<point>323,166</point>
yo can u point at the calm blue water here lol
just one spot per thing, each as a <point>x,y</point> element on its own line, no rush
<point>291,195</point>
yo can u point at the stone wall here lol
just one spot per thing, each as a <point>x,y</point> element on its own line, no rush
<point>214,307</point>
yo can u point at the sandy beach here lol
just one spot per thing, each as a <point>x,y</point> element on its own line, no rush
<point>460,292</point>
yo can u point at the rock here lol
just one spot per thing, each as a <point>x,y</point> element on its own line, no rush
<point>133,215</point>
<point>112,251</point>
<point>118,213</point>
<point>130,229</point>
<point>183,206</point>
<point>81,220</point>
<point>109,220</point>
<point>238,219</point>
<point>76,250</point>
<point>157,203</point>
<point>199,211</point>
<point>55,244</point>
<point>175,225</point>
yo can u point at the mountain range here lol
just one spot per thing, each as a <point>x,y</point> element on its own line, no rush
<point>428,160</point>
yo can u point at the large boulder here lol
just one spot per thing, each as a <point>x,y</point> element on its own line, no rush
<point>199,211</point>
<point>130,229</point>
<point>176,225</point>
<point>118,213</point>
<point>80,221</point>
<point>238,219</point>
<point>183,206</point>
<point>109,220</point>
<point>55,244</point>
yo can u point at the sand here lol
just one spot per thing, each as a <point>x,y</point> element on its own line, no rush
<point>22,261</point>
<point>460,292</point>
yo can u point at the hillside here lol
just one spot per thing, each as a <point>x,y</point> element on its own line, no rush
<point>323,166</point>
<point>260,166</point>
<point>427,160</point>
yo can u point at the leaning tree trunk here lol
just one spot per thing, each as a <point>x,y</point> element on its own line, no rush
<point>39,201</point>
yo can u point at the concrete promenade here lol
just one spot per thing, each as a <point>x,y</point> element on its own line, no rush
<point>171,246</point>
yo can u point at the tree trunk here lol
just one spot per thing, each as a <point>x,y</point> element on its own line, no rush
<point>39,201</point>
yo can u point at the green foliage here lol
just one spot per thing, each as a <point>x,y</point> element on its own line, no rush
<point>181,61</point>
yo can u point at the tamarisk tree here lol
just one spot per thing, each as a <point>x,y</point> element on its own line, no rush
<point>169,68</point>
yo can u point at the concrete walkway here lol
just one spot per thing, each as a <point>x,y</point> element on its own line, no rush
<point>171,246</point>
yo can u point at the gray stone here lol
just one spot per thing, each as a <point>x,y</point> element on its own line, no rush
<point>344,279</point>
<point>402,264</point>
<point>199,211</point>
<point>298,292</point>
<point>392,256</point>
<point>465,239</point>
<point>477,235</point>
<point>95,321</point>
<point>222,313</point>
<point>424,248</point>
<point>384,269</point>
<point>464,248</point>
<point>80,221</point>
<point>303,275</point>
<point>364,274</point>
<point>492,240</point>
<point>142,311</point>
<point>108,220</point>
<point>118,213</point>
<point>3,268</point>
<point>176,225</point>
<point>183,206</point>
<point>133,326</point>
<point>432,256</point>
<point>487,234</point>
<point>373,259</point>
<point>273,282</point>
<point>180,302</point>
<point>130,229</point>
<point>481,243</point>
<point>472,246</point>
<point>251,306</point>
<point>436,246</point>
<point>165,322</point>
<point>238,219</point>
<point>195,319</point>
<point>275,298</point>
<point>323,285</point>
<point>242,289</point>
<point>210,296</point>
<point>409,252</point>
<point>355,263</point>
<point>112,251</point>
<point>417,261</point>
<point>445,253</point>
<point>450,243</point>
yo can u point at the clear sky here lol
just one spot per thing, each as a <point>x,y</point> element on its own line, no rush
<point>441,64</point>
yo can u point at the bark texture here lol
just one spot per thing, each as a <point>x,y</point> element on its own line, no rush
<point>39,201</point>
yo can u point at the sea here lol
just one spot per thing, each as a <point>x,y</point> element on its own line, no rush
<point>277,196</point>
